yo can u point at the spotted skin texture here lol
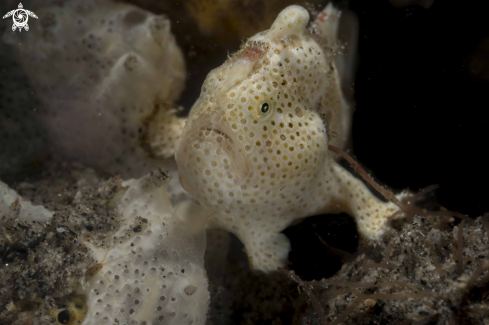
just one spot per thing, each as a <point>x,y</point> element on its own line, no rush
<point>259,171</point>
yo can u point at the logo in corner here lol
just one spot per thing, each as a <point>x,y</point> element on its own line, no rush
<point>20,17</point>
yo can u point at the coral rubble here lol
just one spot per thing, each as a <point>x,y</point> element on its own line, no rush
<point>428,272</point>
<point>44,256</point>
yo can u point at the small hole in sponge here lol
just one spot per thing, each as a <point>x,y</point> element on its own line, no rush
<point>134,17</point>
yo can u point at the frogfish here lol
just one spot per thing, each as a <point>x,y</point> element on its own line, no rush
<point>254,150</point>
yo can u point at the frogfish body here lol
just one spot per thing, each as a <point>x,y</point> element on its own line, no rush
<point>254,150</point>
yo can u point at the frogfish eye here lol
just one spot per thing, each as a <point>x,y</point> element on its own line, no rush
<point>265,107</point>
<point>64,317</point>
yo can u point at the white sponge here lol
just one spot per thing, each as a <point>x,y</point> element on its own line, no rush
<point>104,73</point>
<point>159,275</point>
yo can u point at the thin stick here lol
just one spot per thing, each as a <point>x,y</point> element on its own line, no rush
<point>115,259</point>
<point>104,264</point>
<point>105,256</point>
<point>356,166</point>
<point>409,209</point>
<point>105,275</point>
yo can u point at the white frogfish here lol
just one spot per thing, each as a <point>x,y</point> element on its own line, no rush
<point>254,150</point>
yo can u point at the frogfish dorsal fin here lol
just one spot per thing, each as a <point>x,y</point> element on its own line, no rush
<point>292,21</point>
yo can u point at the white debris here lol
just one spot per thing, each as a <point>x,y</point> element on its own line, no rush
<point>13,206</point>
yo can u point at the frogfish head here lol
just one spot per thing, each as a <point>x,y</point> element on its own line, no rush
<point>255,129</point>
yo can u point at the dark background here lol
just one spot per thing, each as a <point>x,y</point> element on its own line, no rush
<point>422,99</point>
